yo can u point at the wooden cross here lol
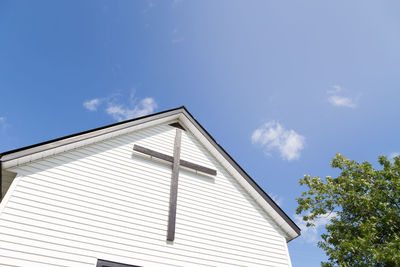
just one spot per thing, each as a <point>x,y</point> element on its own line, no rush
<point>176,163</point>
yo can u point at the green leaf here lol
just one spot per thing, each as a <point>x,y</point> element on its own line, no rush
<point>366,230</point>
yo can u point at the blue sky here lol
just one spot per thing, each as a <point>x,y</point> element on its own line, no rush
<point>282,86</point>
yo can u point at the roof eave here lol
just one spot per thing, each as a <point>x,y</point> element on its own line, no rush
<point>67,142</point>
<point>244,174</point>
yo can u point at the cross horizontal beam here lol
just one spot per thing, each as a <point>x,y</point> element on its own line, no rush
<point>165,157</point>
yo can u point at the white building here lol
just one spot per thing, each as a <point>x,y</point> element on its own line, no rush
<point>109,197</point>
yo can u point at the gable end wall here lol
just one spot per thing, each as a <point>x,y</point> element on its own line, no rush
<point>104,201</point>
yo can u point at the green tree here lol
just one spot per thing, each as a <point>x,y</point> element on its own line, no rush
<point>366,202</point>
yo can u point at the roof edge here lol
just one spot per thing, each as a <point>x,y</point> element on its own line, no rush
<point>250,180</point>
<point>182,109</point>
<point>88,131</point>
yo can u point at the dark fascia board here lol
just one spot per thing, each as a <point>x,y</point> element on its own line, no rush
<point>238,168</point>
<point>53,143</point>
<point>66,140</point>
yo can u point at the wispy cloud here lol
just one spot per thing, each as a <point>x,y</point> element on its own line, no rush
<point>175,2</point>
<point>3,122</point>
<point>122,112</point>
<point>149,5</point>
<point>312,234</point>
<point>278,200</point>
<point>342,101</point>
<point>92,104</point>
<point>177,40</point>
<point>120,109</point>
<point>176,36</point>
<point>334,89</point>
<point>273,136</point>
<point>337,98</point>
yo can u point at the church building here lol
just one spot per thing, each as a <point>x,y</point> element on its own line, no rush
<point>151,191</point>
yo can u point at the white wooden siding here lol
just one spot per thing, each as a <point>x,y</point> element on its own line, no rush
<point>104,201</point>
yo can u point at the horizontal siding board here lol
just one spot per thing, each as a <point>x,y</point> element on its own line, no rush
<point>190,199</point>
<point>135,246</point>
<point>56,253</point>
<point>183,181</point>
<point>166,181</point>
<point>89,184</point>
<point>10,261</point>
<point>20,252</point>
<point>93,183</point>
<point>188,236</point>
<point>185,227</point>
<point>106,199</point>
<point>129,148</point>
<point>89,213</point>
<point>193,247</point>
<point>107,206</point>
<point>96,248</point>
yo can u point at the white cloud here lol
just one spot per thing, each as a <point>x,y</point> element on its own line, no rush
<point>312,234</point>
<point>339,100</point>
<point>121,112</point>
<point>334,89</point>
<point>92,104</point>
<point>272,135</point>
<point>121,107</point>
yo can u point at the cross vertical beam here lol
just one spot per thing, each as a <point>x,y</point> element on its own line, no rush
<point>176,164</point>
<point>174,187</point>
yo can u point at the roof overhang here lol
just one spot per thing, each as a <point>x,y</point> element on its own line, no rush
<point>30,153</point>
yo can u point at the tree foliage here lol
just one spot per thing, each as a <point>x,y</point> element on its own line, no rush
<point>366,201</point>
